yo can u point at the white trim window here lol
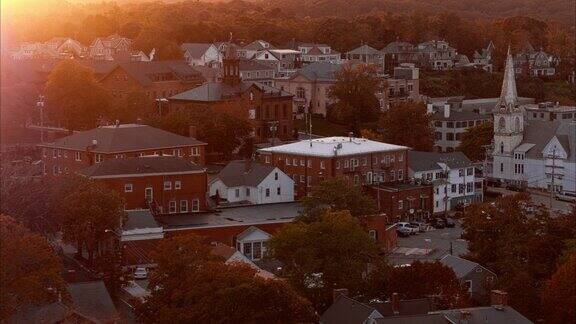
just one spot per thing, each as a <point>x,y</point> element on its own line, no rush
<point>302,162</point>
<point>149,194</point>
<point>177,185</point>
<point>267,159</point>
<point>78,156</point>
<point>267,192</point>
<point>288,161</point>
<point>400,157</point>
<point>400,174</point>
<point>183,206</point>
<point>337,165</point>
<point>97,157</point>
<point>195,151</point>
<point>54,154</point>
<point>172,207</point>
<point>128,187</point>
<point>322,165</point>
<point>167,185</point>
<point>309,163</point>
<point>177,152</point>
<point>195,205</point>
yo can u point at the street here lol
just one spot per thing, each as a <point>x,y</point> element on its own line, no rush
<point>539,198</point>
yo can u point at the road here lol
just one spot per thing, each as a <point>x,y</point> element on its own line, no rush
<point>539,198</point>
<point>437,240</point>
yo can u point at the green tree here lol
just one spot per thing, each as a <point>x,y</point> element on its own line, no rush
<point>559,294</point>
<point>408,124</point>
<point>88,213</point>
<point>475,139</point>
<point>131,107</point>
<point>197,287</point>
<point>30,272</point>
<point>355,94</point>
<point>74,98</point>
<point>318,257</point>
<point>337,195</point>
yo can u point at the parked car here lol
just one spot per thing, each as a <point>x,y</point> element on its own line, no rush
<point>566,196</point>
<point>421,226</point>
<point>413,229</point>
<point>439,223</point>
<point>403,231</point>
<point>450,222</point>
<point>140,273</point>
<point>515,187</point>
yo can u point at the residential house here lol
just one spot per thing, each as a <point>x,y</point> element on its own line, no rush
<point>201,54</point>
<point>310,86</point>
<point>450,124</point>
<point>83,149</point>
<point>252,71</point>
<point>140,225</point>
<point>248,182</point>
<point>233,256</point>
<point>482,106</point>
<point>92,300</point>
<point>284,61</point>
<point>484,57</point>
<point>368,55</point>
<point>252,243</point>
<point>249,51</point>
<point>165,184</point>
<point>531,153</point>
<point>318,53</point>
<point>55,48</point>
<point>398,52</point>
<point>549,111</point>
<point>536,63</point>
<point>115,48</point>
<point>451,174</point>
<point>269,110</point>
<point>403,86</point>
<point>477,278</point>
<point>437,55</point>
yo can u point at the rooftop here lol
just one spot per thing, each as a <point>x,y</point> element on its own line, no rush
<point>456,115</point>
<point>92,299</point>
<point>145,165</point>
<point>346,310</point>
<point>486,314</point>
<point>426,161</point>
<point>461,267</point>
<point>216,91</point>
<point>333,146</point>
<point>244,173</point>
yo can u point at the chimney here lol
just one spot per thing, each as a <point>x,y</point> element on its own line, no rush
<point>430,108</point>
<point>446,110</point>
<point>192,131</point>
<point>498,298</point>
<point>395,304</point>
<point>247,165</point>
<point>339,292</point>
<point>351,135</point>
<point>94,142</point>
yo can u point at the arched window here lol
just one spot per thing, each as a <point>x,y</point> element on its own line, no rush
<point>517,124</point>
<point>501,147</point>
<point>501,123</point>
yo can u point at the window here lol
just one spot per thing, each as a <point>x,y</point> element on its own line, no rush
<point>177,185</point>
<point>267,192</point>
<point>356,179</point>
<point>468,284</point>
<point>278,191</point>
<point>453,188</point>
<point>275,175</point>
<point>54,170</point>
<point>172,207</point>
<point>167,185</point>
<point>148,194</point>
<point>302,162</point>
<point>177,152</point>
<point>247,192</point>
<point>267,159</point>
<point>309,162</point>
<point>98,157</point>
<point>346,163</point>
<point>400,174</point>
<point>248,250</point>
<point>469,187</point>
<point>460,172</point>
<point>400,204</point>
<point>373,235</point>
<point>78,156</point>
<point>194,151</point>
<point>400,157</point>
<point>322,166</point>
<point>287,161</point>
<point>392,175</point>
<point>365,162</point>
<point>469,171</point>
<point>195,205</point>
<point>337,164</point>
<point>309,181</point>
<point>237,193</point>
<point>295,162</point>
<point>501,167</point>
<point>183,206</point>
<point>65,154</point>
<point>59,153</point>
<point>128,187</point>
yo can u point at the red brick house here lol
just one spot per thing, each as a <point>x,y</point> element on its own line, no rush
<point>83,149</point>
<point>269,110</point>
<point>360,161</point>
<point>166,184</point>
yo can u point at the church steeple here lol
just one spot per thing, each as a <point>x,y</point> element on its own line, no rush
<point>508,101</point>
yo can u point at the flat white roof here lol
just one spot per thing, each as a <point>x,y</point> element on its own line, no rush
<point>285,51</point>
<point>334,146</point>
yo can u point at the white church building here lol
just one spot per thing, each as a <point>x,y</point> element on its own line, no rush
<point>531,153</point>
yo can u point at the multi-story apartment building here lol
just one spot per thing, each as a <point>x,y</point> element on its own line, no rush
<point>165,184</point>
<point>450,125</point>
<point>83,149</point>
<point>357,160</point>
<point>452,175</point>
<point>403,86</point>
<point>269,110</point>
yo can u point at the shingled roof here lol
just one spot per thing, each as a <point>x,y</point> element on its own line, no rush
<point>216,91</point>
<point>237,174</point>
<point>123,138</point>
<point>427,161</point>
<point>141,166</point>
<point>319,71</point>
<point>540,133</point>
<point>142,71</point>
<point>346,310</point>
<point>195,50</point>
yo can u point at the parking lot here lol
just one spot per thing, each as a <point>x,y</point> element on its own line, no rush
<point>430,245</point>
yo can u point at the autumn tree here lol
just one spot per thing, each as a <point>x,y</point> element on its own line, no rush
<point>520,242</point>
<point>559,294</point>
<point>88,213</point>
<point>130,108</point>
<point>475,140</point>
<point>197,287</point>
<point>408,124</point>
<point>337,195</point>
<point>355,94</point>
<point>30,272</point>
<point>74,98</point>
<point>320,256</point>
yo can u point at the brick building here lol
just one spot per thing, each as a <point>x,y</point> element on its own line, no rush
<point>83,149</point>
<point>360,161</point>
<point>167,184</point>
<point>269,110</point>
<point>403,200</point>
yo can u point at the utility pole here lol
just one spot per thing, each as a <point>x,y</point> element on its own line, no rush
<point>553,180</point>
<point>40,105</point>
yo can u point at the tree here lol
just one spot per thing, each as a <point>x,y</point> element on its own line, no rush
<point>197,287</point>
<point>355,94</point>
<point>475,139</point>
<point>423,279</point>
<point>520,242</point>
<point>337,195</point>
<point>101,210</point>
<point>74,98</point>
<point>559,294</point>
<point>408,124</point>
<point>30,273</point>
<point>131,107</point>
<point>318,257</point>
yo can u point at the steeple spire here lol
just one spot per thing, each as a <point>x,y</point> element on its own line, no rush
<point>508,97</point>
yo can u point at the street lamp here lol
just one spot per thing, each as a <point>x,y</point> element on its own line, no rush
<point>40,105</point>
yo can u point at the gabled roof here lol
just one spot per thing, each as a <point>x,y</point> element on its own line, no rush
<point>415,319</point>
<point>258,45</point>
<point>317,51</point>
<point>254,66</point>
<point>364,49</point>
<point>407,307</point>
<point>123,138</point>
<point>428,161</point>
<point>318,71</point>
<point>92,299</point>
<point>540,133</point>
<point>216,91</point>
<point>252,231</point>
<point>487,314</point>
<point>461,267</point>
<point>236,175</point>
<point>195,50</point>
<point>397,47</point>
<point>139,219</point>
<point>346,310</point>
<point>143,71</point>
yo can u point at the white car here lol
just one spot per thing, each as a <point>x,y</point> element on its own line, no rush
<point>565,196</point>
<point>413,229</point>
<point>140,273</point>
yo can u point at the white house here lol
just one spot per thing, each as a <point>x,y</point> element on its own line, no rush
<point>452,175</point>
<point>248,182</point>
<point>202,54</point>
<point>252,243</point>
